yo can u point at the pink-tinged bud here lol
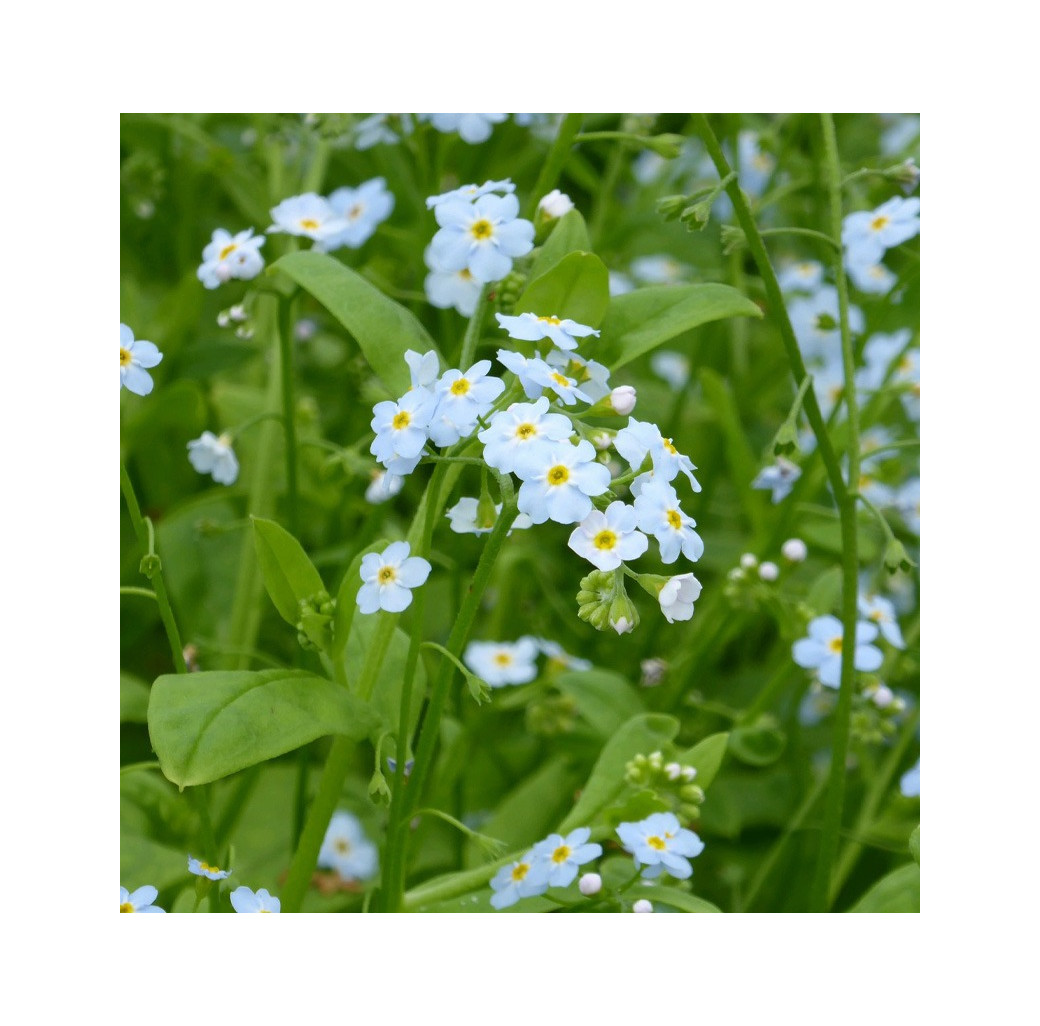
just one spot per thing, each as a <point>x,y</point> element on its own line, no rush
<point>590,883</point>
<point>623,400</point>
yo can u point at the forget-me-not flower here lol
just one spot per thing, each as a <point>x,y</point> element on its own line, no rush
<point>226,257</point>
<point>483,236</point>
<point>559,485</point>
<point>362,210</point>
<point>389,578</point>
<point>609,537</point>
<point>503,662</point>
<point>245,900</point>
<point>347,850</point>
<point>866,234</point>
<point>821,650</point>
<point>661,844</point>
<point>779,478</point>
<point>530,327</point>
<point>564,855</point>
<point>139,901</point>
<point>136,356</point>
<point>212,455</point>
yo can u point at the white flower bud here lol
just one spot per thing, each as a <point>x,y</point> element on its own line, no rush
<point>304,329</point>
<point>882,696</point>
<point>794,549</point>
<point>237,313</point>
<point>736,574</point>
<point>223,272</point>
<point>590,883</point>
<point>622,625</point>
<point>673,771</point>
<point>642,905</point>
<point>656,760</point>
<point>223,320</point>
<point>769,571</point>
<point>689,772</point>
<point>601,441</point>
<point>623,400</point>
<point>555,204</point>
<point>748,561</point>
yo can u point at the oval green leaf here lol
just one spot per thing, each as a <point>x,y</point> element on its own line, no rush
<point>577,287</point>
<point>900,891</point>
<point>204,726</point>
<point>568,236</point>
<point>643,319</point>
<point>383,328</point>
<point>288,573</point>
<point>706,758</point>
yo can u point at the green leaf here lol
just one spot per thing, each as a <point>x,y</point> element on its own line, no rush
<point>568,235</point>
<point>759,744</point>
<point>133,699</point>
<point>900,891</point>
<point>205,726</point>
<point>605,700</point>
<point>825,591</point>
<point>288,573</point>
<point>643,319</point>
<point>706,758</point>
<point>915,844</point>
<point>675,898</point>
<point>383,329</point>
<point>644,733</point>
<point>577,287</point>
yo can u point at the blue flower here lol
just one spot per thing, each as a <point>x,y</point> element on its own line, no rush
<point>880,611</point>
<point>523,879</point>
<point>779,478</point>
<point>483,236</point>
<point>347,850</point>
<point>362,210</point>
<point>660,844</point>
<point>866,234</point>
<point>472,128</point>
<point>244,900</point>
<point>227,256</point>
<point>140,901</point>
<point>821,650</point>
<point>910,782</point>
<point>135,355</point>
<point>200,868</point>
<point>563,855</point>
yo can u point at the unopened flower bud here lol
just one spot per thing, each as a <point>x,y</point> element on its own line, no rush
<point>622,625</point>
<point>748,561</point>
<point>692,793</point>
<point>642,905</point>
<point>882,696</point>
<point>223,320</point>
<point>769,571</point>
<point>590,883</point>
<point>554,205</point>
<point>673,771</point>
<point>237,313</point>
<point>223,272</point>
<point>602,440</point>
<point>688,772</point>
<point>623,400</point>
<point>656,760</point>
<point>794,549</point>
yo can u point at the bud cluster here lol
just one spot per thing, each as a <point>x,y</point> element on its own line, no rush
<point>669,779</point>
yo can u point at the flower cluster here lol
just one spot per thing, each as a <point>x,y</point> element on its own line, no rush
<point>552,862</point>
<point>347,217</point>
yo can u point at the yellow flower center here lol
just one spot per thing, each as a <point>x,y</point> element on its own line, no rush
<point>605,540</point>
<point>465,274</point>
<point>668,445</point>
<point>460,387</point>
<point>656,843</point>
<point>876,616</point>
<point>834,644</point>
<point>525,431</point>
<point>562,854</point>
<point>386,574</point>
<point>481,229</point>
<point>127,907</point>
<point>401,420</point>
<point>503,658</point>
<point>124,357</point>
<point>355,211</point>
<point>878,223</point>
<point>309,224</point>
<point>561,380</point>
<point>520,871</point>
<point>227,251</point>
<point>558,475</point>
<point>207,868</point>
<point>265,910</point>
<point>551,320</point>
<point>342,846</point>
<point>674,519</point>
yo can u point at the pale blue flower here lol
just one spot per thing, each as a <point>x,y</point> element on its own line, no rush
<point>523,879</point>
<point>900,131</point>
<point>880,351</point>
<point>469,193</point>
<point>461,399</point>
<point>677,597</point>
<point>661,845</point>
<point>530,327</point>
<point>609,537</point>
<point>226,257</point>
<point>378,128</point>
<point>483,236</point>
<point>564,855</point>
<point>555,653</point>
<point>362,210</point>
<point>423,368</point>
<point>804,276</point>
<point>309,215</point>
<point>779,478</point>
<point>389,577</point>
<point>347,850</point>
<point>880,611</point>
<point>671,367</point>
<point>910,781</point>
<point>200,868</point>
<point>401,427</point>
<point>660,514</point>
<point>536,375</point>
<point>815,322</point>
<point>641,439</point>
<point>593,377</point>
<point>522,435</point>
<point>139,901</point>
<point>907,501</point>
<point>244,900</point>
<point>866,234</point>
<point>756,166</point>
<point>472,128</point>
<point>618,283</point>
<point>209,454</point>
<point>658,269</point>
<point>447,289</point>
<point>503,662</point>
<point>821,650</point>
<point>558,487</point>
<point>463,516</point>
<point>135,357</point>
<point>873,278</point>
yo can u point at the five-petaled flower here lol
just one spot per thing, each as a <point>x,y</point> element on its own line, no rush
<point>245,900</point>
<point>563,855</point>
<point>660,844</point>
<point>212,455</point>
<point>389,578</point>
<point>139,901</point>
<point>227,256</point>
<point>821,650</point>
<point>200,868</point>
<point>530,327</point>
<point>483,236</point>
<point>135,357</point>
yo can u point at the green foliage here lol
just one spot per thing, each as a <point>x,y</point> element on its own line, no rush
<point>575,288</point>
<point>899,891</point>
<point>569,235</point>
<point>605,700</point>
<point>289,575</point>
<point>207,725</point>
<point>382,328</point>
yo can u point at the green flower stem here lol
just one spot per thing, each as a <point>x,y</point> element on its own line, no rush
<point>878,515</point>
<point>879,787</point>
<point>553,166</point>
<point>820,895</point>
<point>288,409</point>
<point>809,233</point>
<point>430,732</point>
<point>145,538</point>
<point>247,424</point>
<point>129,589</point>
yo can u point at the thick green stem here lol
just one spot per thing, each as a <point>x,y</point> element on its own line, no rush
<point>430,731</point>
<point>143,532</point>
<point>820,896</point>
<point>550,173</point>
